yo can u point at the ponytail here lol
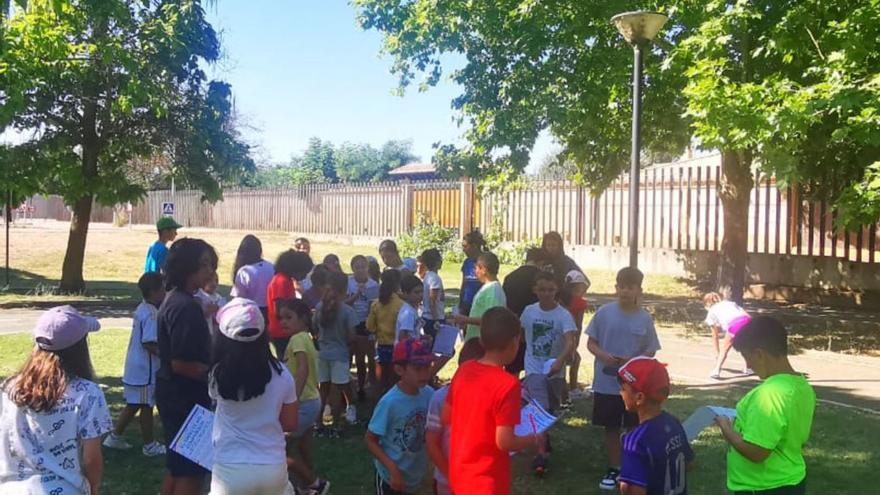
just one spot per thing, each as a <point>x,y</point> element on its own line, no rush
<point>390,285</point>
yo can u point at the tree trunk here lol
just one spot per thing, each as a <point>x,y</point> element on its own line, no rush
<point>72,272</point>
<point>734,190</point>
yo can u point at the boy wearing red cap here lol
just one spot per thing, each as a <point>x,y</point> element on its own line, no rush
<point>656,454</point>
<point>396,434</point>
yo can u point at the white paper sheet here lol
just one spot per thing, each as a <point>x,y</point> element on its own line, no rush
<point>702,418</point>
<point>444,343</point>
<point>533,419</point>
<point>193,441</point>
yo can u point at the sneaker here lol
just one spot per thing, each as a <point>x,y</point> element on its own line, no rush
<point>115,441</point>
<point>609,481</point>
<point>748,371</point>
<point>351,414</point>
<point>715,374</point>
<point>327,416</point>
<point>154,449</point>
<point>539,465</point>
<point>319,487</point>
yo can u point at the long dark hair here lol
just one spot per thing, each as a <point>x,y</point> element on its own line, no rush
<point>44,378</point>
<point>243,369</point>
<point>183,261</point>
<point>337,285</point>
<point>250,251</point>
<point>390,284</point>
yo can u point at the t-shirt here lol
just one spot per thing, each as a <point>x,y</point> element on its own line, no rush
<point>545,332</point>
<point>435,425</point>
<point>41,452</point>
<point>140,365</point>
<point>470,284</point>
<point>621,334</point>
<point>519,288</point>
<point>156,255</point>
<point>280,287</point>
<point>408,321</point>
<point>333,338</point>
<point>655,456</point>
<point>723,313</point>
<point>383,320</point>
<point>491,295</point>
<point>302,342</point>
<point>183,335</point>
<point>437,311</point>
<point>776,415</point>
<point>249,431</point>
<point>399,422</point>
<point>577,305</point>
<point>252,282</point>
<point>361,305</point>
<point>482,397</point>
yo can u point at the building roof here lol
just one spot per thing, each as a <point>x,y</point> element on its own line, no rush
<point>414,168</point>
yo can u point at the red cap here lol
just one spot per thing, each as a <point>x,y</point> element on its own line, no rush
<point>646,375</point>
<point>413,351</point>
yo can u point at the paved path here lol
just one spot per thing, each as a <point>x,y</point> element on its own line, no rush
<point>23,320</point>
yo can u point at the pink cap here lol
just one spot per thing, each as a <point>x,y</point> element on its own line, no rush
<point>61,327</point>
<point>239,318</point>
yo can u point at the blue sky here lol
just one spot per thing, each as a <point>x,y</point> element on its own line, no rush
<point>303,68</point>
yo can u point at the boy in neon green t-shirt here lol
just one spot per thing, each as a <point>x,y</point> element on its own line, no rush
<point>773,421</point>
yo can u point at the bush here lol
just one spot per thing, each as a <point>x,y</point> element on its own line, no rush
<point>427,234</point>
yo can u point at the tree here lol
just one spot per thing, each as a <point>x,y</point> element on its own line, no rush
<point>102,84</point>
<point>790,87</point>
<point>318,158</point>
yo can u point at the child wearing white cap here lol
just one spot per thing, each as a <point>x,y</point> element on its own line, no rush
<point>52,413</point>
<point>256,404</point>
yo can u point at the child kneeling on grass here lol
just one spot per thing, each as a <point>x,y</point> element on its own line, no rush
<point>773,421</point>
<point>396,433</point>
<point>482,409</point>
<point>656,454</point>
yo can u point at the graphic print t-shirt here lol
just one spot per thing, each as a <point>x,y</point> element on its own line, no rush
<point>545,334</point>
<point>655,456</point>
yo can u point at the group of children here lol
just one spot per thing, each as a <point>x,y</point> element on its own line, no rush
<point>280,352</point>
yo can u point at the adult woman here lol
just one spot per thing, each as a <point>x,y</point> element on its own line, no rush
<point>557,261</point>
<point>251,274</point>
<point>52,414</point>
<point>391,257</point>
<point>184,355</point>
<point>472,245</point>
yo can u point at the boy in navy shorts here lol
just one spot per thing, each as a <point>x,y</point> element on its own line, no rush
<point>618,332</point>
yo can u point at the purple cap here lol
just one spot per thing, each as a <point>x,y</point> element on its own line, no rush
<point>61,327</point>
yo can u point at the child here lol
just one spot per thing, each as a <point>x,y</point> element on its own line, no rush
<point>550,334</point>
<point>256,404</point>
<point>472,244</point>
<point>437,434</point>
<point>317,286</point>
<point>158,251</point>
<point>382,322</point>
<point>53,407</point>
<point>251,274</point>
<point>409,325</point>
<point>618,331</point>
<point>396,434</point>
<point>482,409</point>
<point>290,265</point>
<point>141,364</point>
<point>302,245</point>
<point>727,317</point>
<point>331,261</point>
<point>421,269</point>
<point>302,361</point>
<point>391,257</point>
<point>374,268</point>
<point>490,295</point>
<point>362,291</point>
<point>576,286</point>
<point>433,302</point>
<point>656,454</point>
<point>335,321</point>
<point>773,421</point>
<point>211,301</point>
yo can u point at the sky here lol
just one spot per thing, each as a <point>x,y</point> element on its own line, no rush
<point>304,68</point>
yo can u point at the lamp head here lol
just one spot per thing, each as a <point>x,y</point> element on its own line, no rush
<point>639,27</point>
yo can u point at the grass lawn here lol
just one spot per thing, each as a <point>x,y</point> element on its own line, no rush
<point>842,455</point>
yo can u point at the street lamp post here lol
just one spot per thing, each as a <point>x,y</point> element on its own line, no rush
<point>638,29</point>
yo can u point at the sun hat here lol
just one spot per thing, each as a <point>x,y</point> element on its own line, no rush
<point>167,223</point>
<point>61,327</point>
<point>240,319</point>
<point>646,375</point>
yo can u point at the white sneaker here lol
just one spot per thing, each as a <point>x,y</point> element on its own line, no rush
<point>114,441</point>
<point>351,414</point>
<point>748,371</point>
<point>154,449</point>
<point>327,416</point>
<point>716,374</point>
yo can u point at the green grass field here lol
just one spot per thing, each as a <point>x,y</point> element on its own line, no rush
<point>842,455</point>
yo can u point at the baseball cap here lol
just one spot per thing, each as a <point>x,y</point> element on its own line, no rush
<point>576,277</point>
<point>413,351</point>
<point>240,319</point>
<point>167,223</point>
<point>61,327</point>
<point>646,375</point>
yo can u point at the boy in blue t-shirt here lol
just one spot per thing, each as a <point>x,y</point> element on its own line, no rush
<point>396,433</point>
<point>618,332</point>
<point>656,454</point>
<point>167,228</point>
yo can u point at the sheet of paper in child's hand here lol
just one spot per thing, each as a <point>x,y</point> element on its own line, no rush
<point>702,418</point>
<point>533,419</point>
<point>444,343</point>
<point>194,441</point>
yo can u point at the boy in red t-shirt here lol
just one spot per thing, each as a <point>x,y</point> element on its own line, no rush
<point>482,409</point>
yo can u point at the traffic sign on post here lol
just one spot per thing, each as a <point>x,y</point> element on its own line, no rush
<point>168,209</point>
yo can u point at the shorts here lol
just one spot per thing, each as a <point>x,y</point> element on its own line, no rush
<point>609,411</point>
<point>361,330</point>
<point>174,407</point>
<point>432,326</point>
<point>384,488</point>
<point>799,489</point>
<point>737,325</point>
<point>337,372</point>
<point>250,479</point>
<point>546,391</point>
<point>384,354</point>
<point>144,395</point>
<point>308,416</point>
